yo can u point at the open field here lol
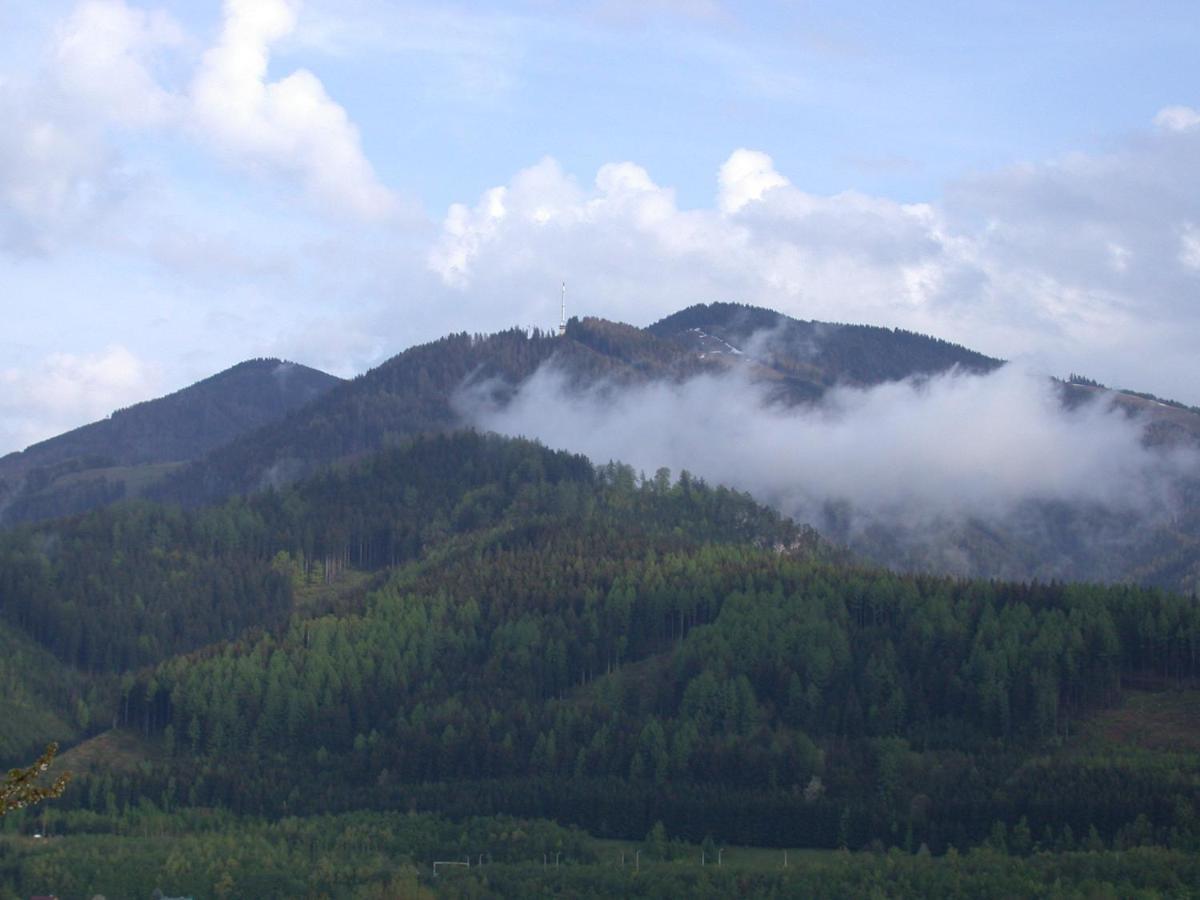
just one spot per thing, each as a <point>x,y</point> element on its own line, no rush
<point>135,478</point>
<point>113,752</point>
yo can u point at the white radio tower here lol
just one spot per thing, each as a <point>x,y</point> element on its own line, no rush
<point>562,323</point>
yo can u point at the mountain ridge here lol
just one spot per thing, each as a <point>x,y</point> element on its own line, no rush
<point>421,390</point>
<point>115,456</point>
<point>414,390</point>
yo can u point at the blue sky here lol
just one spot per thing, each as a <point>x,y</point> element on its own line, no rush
<point>184,185</point>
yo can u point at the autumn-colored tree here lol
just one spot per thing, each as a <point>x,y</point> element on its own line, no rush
<point>20,787</point>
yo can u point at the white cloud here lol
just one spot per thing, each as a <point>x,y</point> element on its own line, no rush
<point>67,177</point>
<point>951,446</point>
<point>1177,118</point>
<point>1189,246</point>
<point>465,230</point>
<point>745,177</point>
<point>103,54</point>
<point>291,124</point>
<point>635,254</point>
<point>60,175</point>
<point>64,390</point>
<point>926,461</point>
<point>1087,261</point>
<point>57,176</point>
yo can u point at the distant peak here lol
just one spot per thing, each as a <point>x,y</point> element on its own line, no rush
<point>741,315</point>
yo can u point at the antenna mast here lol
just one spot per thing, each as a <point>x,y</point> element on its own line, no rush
<point>562,324</point>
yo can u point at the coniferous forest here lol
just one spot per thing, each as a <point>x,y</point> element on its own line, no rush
<point>582,679</point>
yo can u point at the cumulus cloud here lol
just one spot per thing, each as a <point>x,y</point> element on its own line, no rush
<point>290,124</point>
<point>636,254</point>
<point>64,390</point>
<point>1177,118</point>
<point>1085,262</point>
<point>62,176</point>
<point>745,177</point>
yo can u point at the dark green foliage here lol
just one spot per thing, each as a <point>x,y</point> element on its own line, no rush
<point>122,588</point>
<point>562,623</point>
<point>823,352</point>
<point>210,854</point>
<point>240,432</point>
<point>205,853</point>
<point>977,875</point>
<point>539,636</point>
<point>40,699</point>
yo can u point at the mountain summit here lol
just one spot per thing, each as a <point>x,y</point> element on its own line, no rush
<point>120,455</point>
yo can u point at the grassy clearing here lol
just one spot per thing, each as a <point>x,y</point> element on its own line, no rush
<point>135,478</point>
<point>114,752</point>
<point>345,593</point>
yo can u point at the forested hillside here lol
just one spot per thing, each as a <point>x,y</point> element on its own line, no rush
<point>130,585</point>
<point>473,625</point>
<point>818,355</point>
<point>122,455</point>
<point>41,700</point>
<point>414,393</point>
<point>730,690</point>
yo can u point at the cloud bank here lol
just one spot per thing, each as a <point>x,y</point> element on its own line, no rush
<point>919,459</point>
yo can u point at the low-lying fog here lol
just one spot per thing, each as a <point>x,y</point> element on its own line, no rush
<point>916,457</point>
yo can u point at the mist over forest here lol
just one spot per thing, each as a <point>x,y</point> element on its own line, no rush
<point>906,468</point>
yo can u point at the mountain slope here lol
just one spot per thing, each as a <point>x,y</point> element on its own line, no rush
<point>436,387</point>
<point>415,391</point>
<point>817,355</point>
<point>119,456</point>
